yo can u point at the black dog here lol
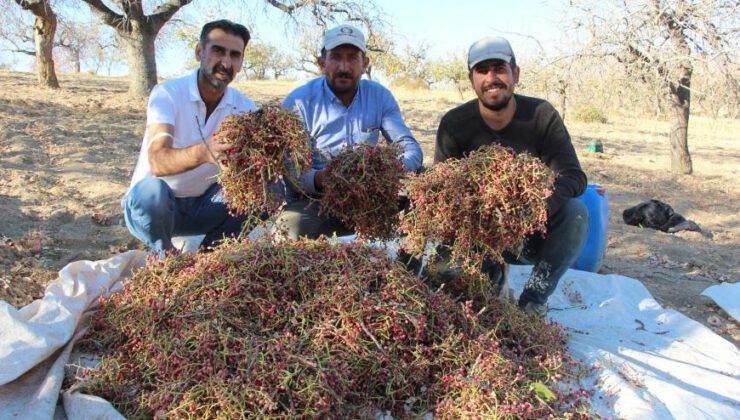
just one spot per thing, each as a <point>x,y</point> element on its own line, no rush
<point>659,215</point>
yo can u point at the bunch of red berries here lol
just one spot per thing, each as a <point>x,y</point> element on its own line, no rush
<point>479,206</point>
<point>268,144</point>
<point>361,189</point>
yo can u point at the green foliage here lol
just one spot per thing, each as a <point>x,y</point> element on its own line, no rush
<point>543,391</point>
<point>590,114</point>
<point>260,57</point>
<point>451,70</point>
<point>410,63</point>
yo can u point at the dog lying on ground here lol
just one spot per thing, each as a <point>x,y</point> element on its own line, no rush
<point>658,215</point>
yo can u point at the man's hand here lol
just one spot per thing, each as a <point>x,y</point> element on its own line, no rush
<point>215,147</point>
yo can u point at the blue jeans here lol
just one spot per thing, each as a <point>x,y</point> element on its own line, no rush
<point>553,253</point>
<point>154,215</point>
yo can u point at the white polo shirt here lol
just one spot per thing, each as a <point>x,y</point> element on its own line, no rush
<point>177,102</point>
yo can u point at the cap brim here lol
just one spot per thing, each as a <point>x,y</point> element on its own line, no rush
<point>502,57</point>
<point>333,44</point>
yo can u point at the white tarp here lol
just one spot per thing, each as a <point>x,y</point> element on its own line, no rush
<point>656,363</point>
<point>653,363</point>
<point>36,341</point>
<point>727,296</point>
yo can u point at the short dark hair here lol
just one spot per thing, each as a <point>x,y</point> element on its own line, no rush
<point>227,26</point>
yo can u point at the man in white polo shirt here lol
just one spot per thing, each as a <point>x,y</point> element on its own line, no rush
<point>173,190</point>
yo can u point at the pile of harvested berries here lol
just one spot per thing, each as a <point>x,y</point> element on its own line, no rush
<point>319,329</point>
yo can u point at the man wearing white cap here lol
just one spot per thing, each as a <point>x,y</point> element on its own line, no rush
<point>340,109</point>
<point>529,125</point>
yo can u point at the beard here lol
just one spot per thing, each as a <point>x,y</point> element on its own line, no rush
<point>210,76</point>
<point>498,102</point>
<point>342,82</point>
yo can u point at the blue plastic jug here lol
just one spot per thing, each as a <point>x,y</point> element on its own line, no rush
<point>592,254</point>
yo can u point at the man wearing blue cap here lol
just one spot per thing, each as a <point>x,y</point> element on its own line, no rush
<point>340,109</point>
<point>529,125</point>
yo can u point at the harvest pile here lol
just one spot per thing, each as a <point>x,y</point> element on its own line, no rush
<point>263,141</point>
<point>316,329</point>
<point>361,189</point>
<point>480,206</point>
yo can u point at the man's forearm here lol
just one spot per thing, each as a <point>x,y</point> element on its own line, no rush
<point>170,161</point>
<point>566,186</point>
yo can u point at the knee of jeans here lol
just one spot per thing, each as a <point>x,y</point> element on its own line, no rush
<point>151,196</point>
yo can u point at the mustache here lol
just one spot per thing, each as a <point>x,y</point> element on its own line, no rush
<point>222,69</point>
<point>343,74</point>
<point>496,83</point>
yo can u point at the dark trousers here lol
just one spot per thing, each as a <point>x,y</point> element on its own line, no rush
<point>300,218</point>
<point>553,253</point>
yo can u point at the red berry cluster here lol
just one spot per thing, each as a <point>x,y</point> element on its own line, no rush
<point>264,141</point>
<point>310,329</point>
<point>479,206</point>
<point>361,189</point>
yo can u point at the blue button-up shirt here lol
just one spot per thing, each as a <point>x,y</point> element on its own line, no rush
<point>334,126</point>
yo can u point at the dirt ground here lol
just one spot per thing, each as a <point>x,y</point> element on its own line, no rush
<point>66,158</point>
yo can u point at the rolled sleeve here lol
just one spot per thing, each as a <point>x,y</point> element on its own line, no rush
<point>395,130</point>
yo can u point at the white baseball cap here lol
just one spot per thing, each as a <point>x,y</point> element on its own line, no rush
<point>344,34</point>
<point>490,48</point>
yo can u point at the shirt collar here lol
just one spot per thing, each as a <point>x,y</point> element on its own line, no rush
<point>228,98</point>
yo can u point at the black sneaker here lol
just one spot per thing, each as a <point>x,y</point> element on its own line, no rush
<point>535,309</point>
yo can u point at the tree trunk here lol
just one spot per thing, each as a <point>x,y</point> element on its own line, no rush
<point>43,38</point>
<point>76,60</point>
<point>142,63</point>
<point>563,94</point>
<point>681,105</point>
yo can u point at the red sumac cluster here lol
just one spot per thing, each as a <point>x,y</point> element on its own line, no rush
<point>314,329</point>
<point>264,141</point>
<point>361,189</point>
<point>479,206</point>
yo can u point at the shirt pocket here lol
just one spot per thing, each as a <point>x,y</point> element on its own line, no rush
<point>368,135</point>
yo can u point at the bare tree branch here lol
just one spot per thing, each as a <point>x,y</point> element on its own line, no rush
<point>106,15</point>
<point>164,12</point>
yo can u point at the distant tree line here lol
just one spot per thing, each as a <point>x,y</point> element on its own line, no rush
<point>642,56</point>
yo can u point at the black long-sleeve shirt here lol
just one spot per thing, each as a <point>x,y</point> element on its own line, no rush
<point>536,128</point>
